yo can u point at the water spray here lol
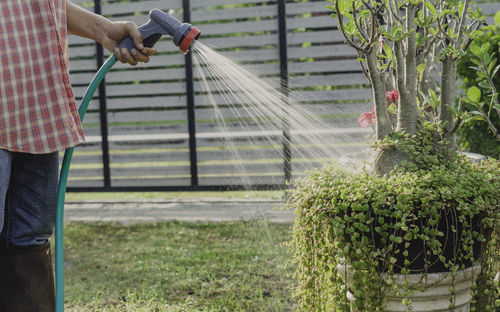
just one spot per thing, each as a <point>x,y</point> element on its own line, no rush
<point>160,23</point>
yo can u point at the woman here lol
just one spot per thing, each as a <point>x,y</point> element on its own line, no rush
<point>38,118</point>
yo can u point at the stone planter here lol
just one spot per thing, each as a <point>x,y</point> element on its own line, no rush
<point>357,161</point>
<point>436,297</point>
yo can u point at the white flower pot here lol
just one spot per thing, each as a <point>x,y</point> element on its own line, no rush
<point>436,297</point>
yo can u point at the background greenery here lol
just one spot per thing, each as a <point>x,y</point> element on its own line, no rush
<point>475,136</point>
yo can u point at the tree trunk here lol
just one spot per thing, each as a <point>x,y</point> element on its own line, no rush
<point>378,87</point>
<point>385,160</point>
<point>408,111</point>
<point>448,78</point>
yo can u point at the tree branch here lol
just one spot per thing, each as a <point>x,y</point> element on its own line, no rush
<point>490,124</point>
<point>374,23</point>
<point>393,11</point>
<point>360,29</point>
<point>461,24</point>
<point>363,68</point>
<point>368,6</point>
<point>492,86</point>
<point>342,29</point>
<point>443,31</point>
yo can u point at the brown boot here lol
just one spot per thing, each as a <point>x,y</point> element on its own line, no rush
<point>26,279</point>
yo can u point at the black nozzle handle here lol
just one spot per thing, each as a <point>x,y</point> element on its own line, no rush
<point>159,24</point>
<point>150,36</point>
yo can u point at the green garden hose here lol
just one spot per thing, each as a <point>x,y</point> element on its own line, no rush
<point>63,180</point>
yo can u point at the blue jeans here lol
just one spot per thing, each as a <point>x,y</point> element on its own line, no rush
<point>28,196</point>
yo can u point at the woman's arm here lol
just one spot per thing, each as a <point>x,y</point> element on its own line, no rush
<point>89,25</point>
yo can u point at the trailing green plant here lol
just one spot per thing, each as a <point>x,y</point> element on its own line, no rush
<point>478,68</point>
<point>373,222</point>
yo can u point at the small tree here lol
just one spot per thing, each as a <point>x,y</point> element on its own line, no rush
<point>412,47</point>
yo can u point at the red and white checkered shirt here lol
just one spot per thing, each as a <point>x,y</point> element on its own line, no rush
<point>37,109</point>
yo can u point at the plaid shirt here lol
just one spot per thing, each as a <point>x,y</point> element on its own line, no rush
<point>37,108</point>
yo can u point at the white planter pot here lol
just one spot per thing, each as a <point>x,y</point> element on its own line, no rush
<point>436,297</point>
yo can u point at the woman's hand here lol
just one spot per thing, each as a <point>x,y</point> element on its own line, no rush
<point>115,32</point>
<point>89,25</point>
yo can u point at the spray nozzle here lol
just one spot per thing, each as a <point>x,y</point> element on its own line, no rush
<point>161,23</point>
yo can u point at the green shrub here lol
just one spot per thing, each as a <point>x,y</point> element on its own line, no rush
<point>475,136</point>
<point>371,222</point>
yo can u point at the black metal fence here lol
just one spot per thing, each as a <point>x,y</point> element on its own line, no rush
<point>295,40</point>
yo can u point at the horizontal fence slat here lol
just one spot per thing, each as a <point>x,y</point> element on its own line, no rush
<point>141,102</point>
<point>247,181</point>
<point>208,113</point>
<point>327,80</point>
<point>252,55</point>
<point>338,50</point>
<point>306,7</point>
<point>345,94</point>
<point>82,51</point>
<point>311,22</point>
<point>143,129</point>
<point>142,6</point>
<point>181,130</point>
<point>315,37</point>
<point>234,13</point>
<point>205,3</point>
<point>151,157</point>
<point>85,183</point>
<point>239,169</point>
<point>152,182</point>
<point>238,27</point>
<point>141,116</point>
<point>242,41</point>
<point>151,171</point>
<point>323,66</point>
<point>83,65</point>
<point>146,88</point>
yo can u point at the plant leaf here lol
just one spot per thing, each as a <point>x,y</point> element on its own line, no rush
<point>476,50</point>
<point>474,94</point>
<point>431,8</point>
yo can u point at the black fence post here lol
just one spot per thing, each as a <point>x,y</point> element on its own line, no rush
<point>186,7</point>
<point>103,109</point>
<point>287,153</point>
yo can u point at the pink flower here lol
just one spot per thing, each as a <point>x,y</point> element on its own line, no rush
<point>380,44</point>
<point>392,96</point>
<point>367,119</point>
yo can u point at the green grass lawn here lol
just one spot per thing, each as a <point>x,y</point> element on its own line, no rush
<point>174,266</point>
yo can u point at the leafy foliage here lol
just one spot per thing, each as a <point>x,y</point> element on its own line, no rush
<point>410,46</point>
<point>372,222</point>
<point>475,135</point>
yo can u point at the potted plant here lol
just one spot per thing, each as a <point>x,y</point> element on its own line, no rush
<point>416,231</point>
